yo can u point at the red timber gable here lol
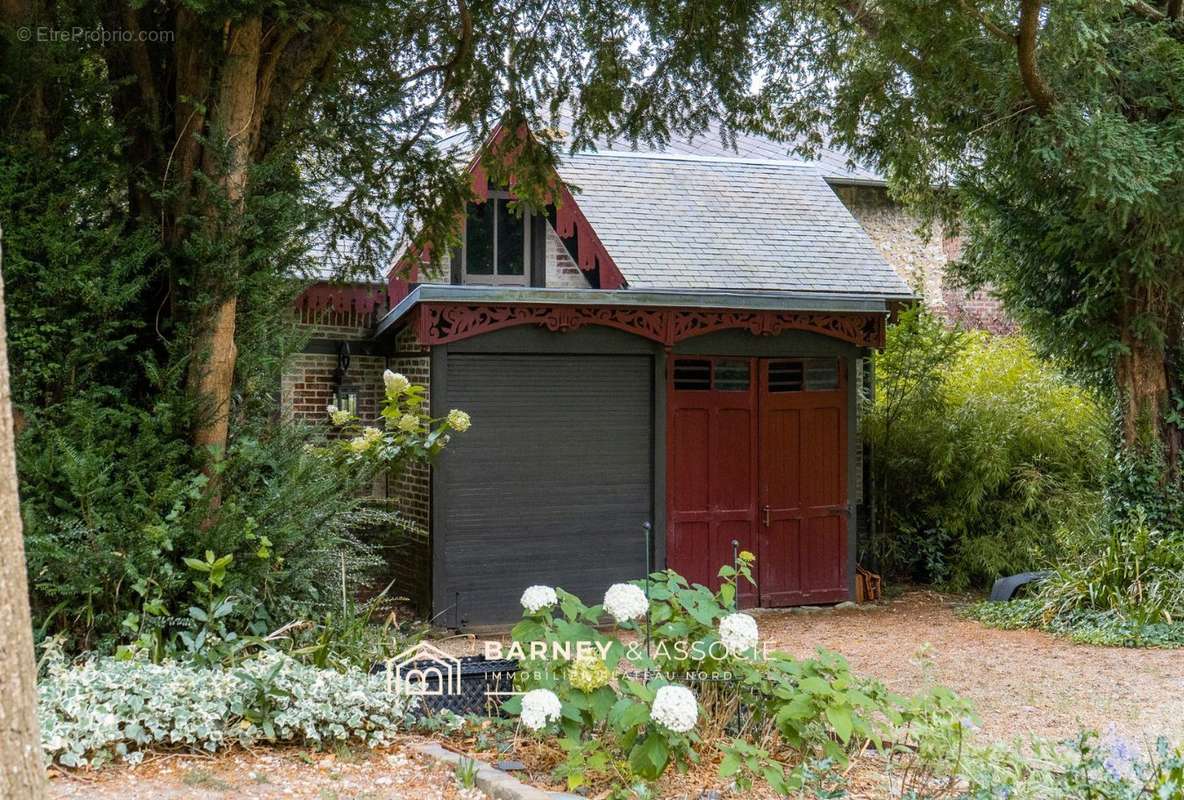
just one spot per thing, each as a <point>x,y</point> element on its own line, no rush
<point>588,252</point>
<point>569,221</point>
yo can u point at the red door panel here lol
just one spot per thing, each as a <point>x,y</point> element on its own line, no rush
<point>711,471</point>
<point>760,461</point>
<point>688,473</point>
<point>803,488</point>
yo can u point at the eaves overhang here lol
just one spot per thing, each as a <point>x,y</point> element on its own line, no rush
<point>446,313</point>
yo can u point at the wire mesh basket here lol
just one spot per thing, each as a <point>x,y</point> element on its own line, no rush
<point>464,685</point>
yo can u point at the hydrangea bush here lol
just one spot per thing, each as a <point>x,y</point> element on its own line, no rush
<point>625,714</point>
<point>116,709</point>
<point>408,432</point>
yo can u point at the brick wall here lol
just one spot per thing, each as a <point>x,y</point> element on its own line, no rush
<point>562,272</point>
<point>412,491</point>
<point>921,261</point>
<point>307,387</point>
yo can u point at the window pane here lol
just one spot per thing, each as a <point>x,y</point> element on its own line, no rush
<point>692,374</point>
<point>479,239</point>
<point>510,240</point>
<point>822,374</point>
<point>731,376</point>
<point>785,376</point>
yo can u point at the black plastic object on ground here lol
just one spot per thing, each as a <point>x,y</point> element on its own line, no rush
<point>465,685</point>
<point>1005,588</point>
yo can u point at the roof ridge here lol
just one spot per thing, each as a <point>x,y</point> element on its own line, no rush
<point>775,162</point>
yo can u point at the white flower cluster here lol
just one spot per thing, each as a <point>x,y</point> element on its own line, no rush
<point>540,706</point>
<point>106,708</point>
<point>459,420</point>
<point>395,382</point>
<point>624,602</point>
<point>675,708</point>
<point>338,416</point>
<point>536,598</point>
<point>738,633</point>
<point>409,423</point>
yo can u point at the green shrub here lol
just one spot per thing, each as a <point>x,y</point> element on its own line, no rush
<point>107,708</point>
<point>1126,566</point>
<point>1104,628</point>
<point>1091,766</point>
<point>1122,585</point>
<point>117,517</point>
<point>984,455</point>
<point>112,509</point>
<point>698,688</point>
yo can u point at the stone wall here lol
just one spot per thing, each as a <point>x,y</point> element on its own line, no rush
<point>921,260</point>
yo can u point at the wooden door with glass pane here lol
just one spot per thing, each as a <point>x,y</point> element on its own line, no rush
<point>711,466</point>
<point>802,555</point>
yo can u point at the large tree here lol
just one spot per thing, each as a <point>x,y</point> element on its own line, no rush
<point>243,133</point>
<point>22,773</point>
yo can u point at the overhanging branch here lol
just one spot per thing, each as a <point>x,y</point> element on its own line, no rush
<point>1034,82</point>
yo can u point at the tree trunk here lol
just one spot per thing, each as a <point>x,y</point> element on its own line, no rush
<point>22,772</point>
<point>1144,379</point>
<point>225,161</point>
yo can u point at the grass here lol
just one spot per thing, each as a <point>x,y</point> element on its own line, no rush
<point>466,773</point>
<point>1105,628</point>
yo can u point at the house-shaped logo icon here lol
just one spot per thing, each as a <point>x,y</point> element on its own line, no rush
<point>423,671</point>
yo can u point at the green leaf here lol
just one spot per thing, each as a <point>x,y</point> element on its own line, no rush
<point>650,756</point>
<point>840,720</point>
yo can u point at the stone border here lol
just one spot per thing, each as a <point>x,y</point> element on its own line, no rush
<point>495,783</point>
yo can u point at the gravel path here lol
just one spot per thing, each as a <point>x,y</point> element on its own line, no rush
<point>395,773</point>
<point>1020,682</point>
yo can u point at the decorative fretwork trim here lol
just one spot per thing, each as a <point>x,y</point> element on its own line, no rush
<point>440,323</point>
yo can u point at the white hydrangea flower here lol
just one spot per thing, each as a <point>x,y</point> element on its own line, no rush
<point>675,708</point>
<point>371,435</point>
<point>624,601</point>
<point>408,423</point>
<point>338,416</point>
<point>358,444</point>
<point>459,420</point>
<point>395,382</point>
<point>738,632</point>
<point>540,706</point>
<point>536,598</point>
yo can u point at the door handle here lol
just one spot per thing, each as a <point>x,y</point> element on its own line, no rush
<point>765,515</point>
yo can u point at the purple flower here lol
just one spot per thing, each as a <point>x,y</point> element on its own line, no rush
<point>1121,755</point>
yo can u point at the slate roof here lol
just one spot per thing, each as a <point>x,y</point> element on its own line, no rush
<point>833,164</point>
<point>693,222</point>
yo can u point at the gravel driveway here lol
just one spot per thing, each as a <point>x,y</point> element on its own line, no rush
<point>1020,682</point>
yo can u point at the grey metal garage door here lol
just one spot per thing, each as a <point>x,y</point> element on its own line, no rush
<point>551,485</point>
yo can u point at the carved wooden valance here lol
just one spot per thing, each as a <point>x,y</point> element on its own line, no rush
<point>439,323</point>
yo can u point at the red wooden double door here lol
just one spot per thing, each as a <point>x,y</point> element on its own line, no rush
<point>757,454</point>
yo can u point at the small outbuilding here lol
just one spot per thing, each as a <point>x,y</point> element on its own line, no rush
<point>672,358</point>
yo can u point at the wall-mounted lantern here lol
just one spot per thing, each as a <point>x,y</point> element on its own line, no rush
<point>345,395</point>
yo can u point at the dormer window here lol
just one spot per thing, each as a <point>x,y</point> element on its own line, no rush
<point>496,244</point>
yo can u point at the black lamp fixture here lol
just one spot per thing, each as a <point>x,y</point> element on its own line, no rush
<point>345,396</point>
